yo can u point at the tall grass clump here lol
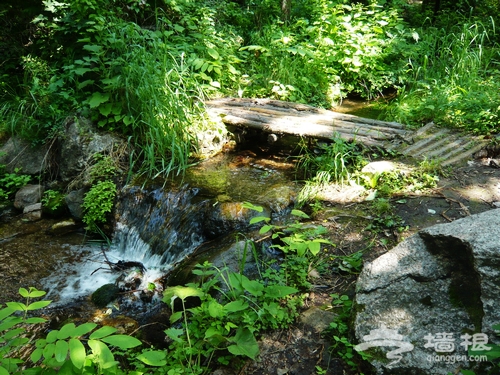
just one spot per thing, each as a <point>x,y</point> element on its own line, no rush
<point>453,79</point>
<point>163,102</point>
<point>332,162</point>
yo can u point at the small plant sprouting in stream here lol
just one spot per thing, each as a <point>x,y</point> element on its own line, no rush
<point>99,200</point>
<point>98,203</point>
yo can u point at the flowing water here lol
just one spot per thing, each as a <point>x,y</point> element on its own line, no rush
<point>157,227</point>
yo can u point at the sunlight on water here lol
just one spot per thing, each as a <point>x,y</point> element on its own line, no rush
<point>86,269</point>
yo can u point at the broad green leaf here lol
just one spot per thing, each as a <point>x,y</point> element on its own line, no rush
<point>38,305</point>
<point>251,206</point>
<point>181,292</point>
<point>174,333</point>
<point>61,351</point>
<point>279,291</point>
<point>101,350</point>
<point>5,312</point>
<point>258,219</point>
<point>9,323</point>
<point>83,329</point>
<point>77,353</point>
<point>3,371</point>
<point>12,333</point>
<point>175,316</point>
<point>178,28</point>
<point>24,292</point>
<point>122,341</point>
<point>105,109</point>
<point>314,247</point>
<point>213,53</point>
<point>244,344</point>
<point>212,331</point>
<point>40,343</point>
<point>102,332</point>
<point>97,99</point>
<point>17,306</point>
<point>66,331</point>
<point>36,355</point>
<point>127,120</point>
<point>300,213</point>
<point>241,282</point>
<point>235,306</point>
<point>67,368</point>
<point>215,309</point>
<point>265,229</point>
<point>48,351</point>
<point>81,71</point>
<point>152,358</point>
<point>35,320</point>
<point>92,47</point>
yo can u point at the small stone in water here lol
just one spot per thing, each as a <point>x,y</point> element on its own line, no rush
<point>105,294</point>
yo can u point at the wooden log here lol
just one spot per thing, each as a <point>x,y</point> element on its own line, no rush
<point>311,130</point>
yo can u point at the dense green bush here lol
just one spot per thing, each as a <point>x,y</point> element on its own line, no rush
<point>143,69</point>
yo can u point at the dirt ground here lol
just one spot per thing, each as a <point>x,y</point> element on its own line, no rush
<point>303,349</point>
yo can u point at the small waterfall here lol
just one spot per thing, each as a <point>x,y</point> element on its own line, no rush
<point>157,228</point>
<point>169,222</point>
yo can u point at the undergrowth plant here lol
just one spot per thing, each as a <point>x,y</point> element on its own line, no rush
<point>11,182</point>
<point>339,331</point>
<point>453,78</point>
<point>328,162</point>
<point>98,202</point>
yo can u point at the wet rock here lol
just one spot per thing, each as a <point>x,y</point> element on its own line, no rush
<point>78,145</point>
<point>237,257</point>
<point>19,154</point>
<point>62,227</point>
<point>430,295</point>
<point>74,201</point>
<point>279,198</point>
<point>105,294</point>
<point>230,216</point>
<point>319,320</point>
<point>33,212</point>
<point>28,195</point>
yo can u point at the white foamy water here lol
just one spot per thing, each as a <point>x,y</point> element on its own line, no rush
<point>85,269</point>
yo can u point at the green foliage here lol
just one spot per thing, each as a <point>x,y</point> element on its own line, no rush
<point>453,78</point>
<point>11,182</point>
<point>98,203</point>
<point>52,201</point>
<point>384,218</point>
<point>74,349</point>
<point>339,331</point>
<point>329,162</point>
<point>243,309</point>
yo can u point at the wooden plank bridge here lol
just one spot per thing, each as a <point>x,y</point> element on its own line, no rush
<point>279,117</point>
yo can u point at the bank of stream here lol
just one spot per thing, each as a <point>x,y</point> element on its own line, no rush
<point>72,265</point>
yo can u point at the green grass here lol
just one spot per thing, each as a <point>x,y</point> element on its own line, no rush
<point>454,80</point>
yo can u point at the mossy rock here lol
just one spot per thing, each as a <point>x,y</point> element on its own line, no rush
<point>105,294</point>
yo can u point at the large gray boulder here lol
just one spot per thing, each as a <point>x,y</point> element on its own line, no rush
<point>79,143</point>
<point>420,305</point>
<point>17,154</point>
<point>28,195</point>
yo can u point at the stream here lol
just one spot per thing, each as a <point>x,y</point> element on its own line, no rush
<point>158,225</point>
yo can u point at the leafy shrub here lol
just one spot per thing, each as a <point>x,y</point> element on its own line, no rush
<point>52,201</point>
<point>11,182</point>
<point>98,203</point>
